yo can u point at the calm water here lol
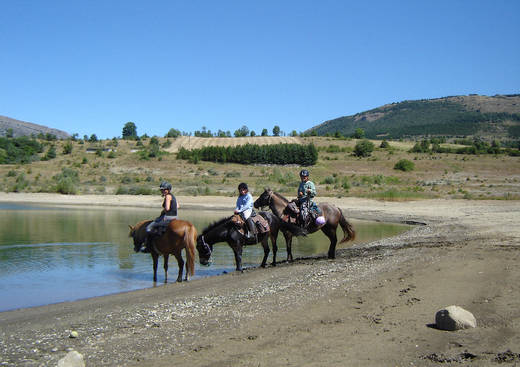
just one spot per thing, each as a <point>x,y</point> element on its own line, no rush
<point>50,254</point>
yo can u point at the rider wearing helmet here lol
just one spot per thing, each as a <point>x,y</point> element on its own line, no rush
<point>306,192</point>
<point>168,213</point>
<point>244,208</point>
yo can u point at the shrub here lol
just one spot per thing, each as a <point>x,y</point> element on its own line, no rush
<point>405,165</point>
<point>67,148</point>
<point>363,148</point>
<point>67,186</point>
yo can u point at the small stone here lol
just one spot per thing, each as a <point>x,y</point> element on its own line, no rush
<point>73,334</point>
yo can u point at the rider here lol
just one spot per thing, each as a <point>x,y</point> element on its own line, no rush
<point>306,192</point>
<point>168,213</point>
<point>244,208</point>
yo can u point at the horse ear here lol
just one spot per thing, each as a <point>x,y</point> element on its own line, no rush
<point>131,228</point>
<point>267,188</point>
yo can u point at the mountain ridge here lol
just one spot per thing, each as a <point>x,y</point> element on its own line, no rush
<point>24,128</point>
<point>473,115</point>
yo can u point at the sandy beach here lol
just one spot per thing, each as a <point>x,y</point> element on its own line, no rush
<point>374,305</point>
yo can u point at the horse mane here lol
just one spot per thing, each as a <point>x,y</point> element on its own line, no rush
<point>215,224</point>
<point>280,196</point>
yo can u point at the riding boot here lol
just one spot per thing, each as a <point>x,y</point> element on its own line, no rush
<point>251,230</point>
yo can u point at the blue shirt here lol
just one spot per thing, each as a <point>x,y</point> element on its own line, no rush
<point>244,202</point>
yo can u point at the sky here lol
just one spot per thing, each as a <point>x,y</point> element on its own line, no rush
<point>89,67</point>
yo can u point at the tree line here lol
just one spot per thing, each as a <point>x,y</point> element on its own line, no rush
<point>305,155</point>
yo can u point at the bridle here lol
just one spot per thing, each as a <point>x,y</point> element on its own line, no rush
<point>205,246</point>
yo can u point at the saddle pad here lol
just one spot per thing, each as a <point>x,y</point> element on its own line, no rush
<point>261,224</point>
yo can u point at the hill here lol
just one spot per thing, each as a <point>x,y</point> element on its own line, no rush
<point>22,128</point>
<point>496,117</point>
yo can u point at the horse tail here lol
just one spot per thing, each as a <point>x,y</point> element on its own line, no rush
<point>349,234</point>
<point>190,239</point>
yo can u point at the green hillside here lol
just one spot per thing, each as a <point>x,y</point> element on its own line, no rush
<point>496,117</point>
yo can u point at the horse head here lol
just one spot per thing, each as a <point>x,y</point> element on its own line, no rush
<point>137,233</point>
<point>264,199</point>
<point>204,250</point>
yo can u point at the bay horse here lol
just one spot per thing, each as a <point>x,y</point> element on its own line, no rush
<point>180,234</point>
<point>225,230</point>
<point>333,216</point>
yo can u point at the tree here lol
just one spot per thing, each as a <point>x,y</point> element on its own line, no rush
<point>243,131</point>
<point>264,132</point>
<point>173,133</point>
<point>93,138</point>
<point>359,133</point>
<point>276,130</point>
<point>129,131</point>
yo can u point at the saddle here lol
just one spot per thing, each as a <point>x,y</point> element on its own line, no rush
<point>291,213</point>
<point>304,217</point>
<point>160,229</point>
<point>262,226</point>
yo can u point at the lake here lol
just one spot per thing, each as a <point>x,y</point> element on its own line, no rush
<point>52,254</point>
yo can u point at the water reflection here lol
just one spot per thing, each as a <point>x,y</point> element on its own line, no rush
<point>50,254</point>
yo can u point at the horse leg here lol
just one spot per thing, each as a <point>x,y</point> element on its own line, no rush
<point>166,267</point>
<point>237,250</point>
<point>155,258</point>
<point>288,243</point>
<point>274,245</point>
<point>180,263</point>
<point>265,245</point>
<point>331,234</point>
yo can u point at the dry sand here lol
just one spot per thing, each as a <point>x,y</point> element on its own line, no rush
<point>373,305</point>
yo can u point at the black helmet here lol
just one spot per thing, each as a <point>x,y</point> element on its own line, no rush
<point>165,186</point>
<point>243,186</point>
<point>304,173</point>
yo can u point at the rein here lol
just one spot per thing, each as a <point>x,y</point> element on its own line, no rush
<point>205,245</point>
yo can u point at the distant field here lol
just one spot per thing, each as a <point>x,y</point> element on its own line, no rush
<point>190,142</point>
<point>119,167</point>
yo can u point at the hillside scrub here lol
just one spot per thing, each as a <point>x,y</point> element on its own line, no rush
<point>336,173</point>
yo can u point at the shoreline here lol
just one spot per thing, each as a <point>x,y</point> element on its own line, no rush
<point>369,306</point>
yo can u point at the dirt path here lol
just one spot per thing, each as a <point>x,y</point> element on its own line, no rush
<point>371,306</point>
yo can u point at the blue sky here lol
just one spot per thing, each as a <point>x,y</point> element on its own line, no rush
<point>91,66</point>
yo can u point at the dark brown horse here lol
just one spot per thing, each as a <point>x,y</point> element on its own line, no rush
<point>333,216</point>
<point>225,230</point>
<point>180,234</point>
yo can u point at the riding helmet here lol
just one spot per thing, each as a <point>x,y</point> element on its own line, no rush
<point>165,186</point>
<point>304,173</point>
<point>243,186</point>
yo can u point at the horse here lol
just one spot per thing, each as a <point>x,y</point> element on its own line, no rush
<point>180,234</point>
<point>333,216</point>
<point>225,230</point>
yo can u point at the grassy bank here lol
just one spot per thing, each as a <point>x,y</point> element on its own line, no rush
<point>130,167</point>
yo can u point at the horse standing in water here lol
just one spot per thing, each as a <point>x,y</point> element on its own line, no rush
<point>225,230</point>
<point>333,216</point>
<point>180,234</point>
